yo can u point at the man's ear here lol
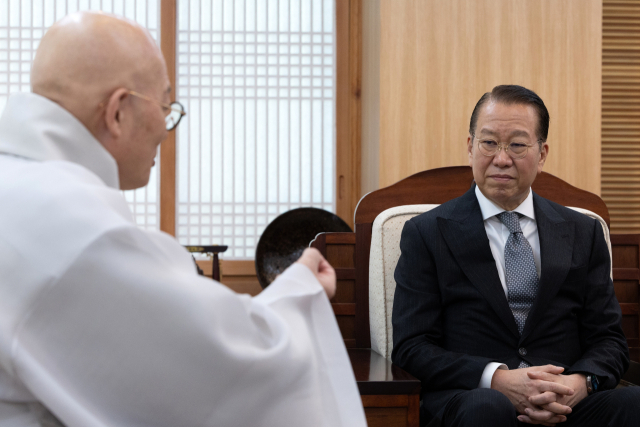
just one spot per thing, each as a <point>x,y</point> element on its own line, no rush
<point>544,151</point>
<point>114,112</point>
<point>470,149</point>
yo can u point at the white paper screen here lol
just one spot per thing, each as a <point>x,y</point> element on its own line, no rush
<point>256,78</point>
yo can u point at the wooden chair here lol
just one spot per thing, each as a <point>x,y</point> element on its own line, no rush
<point>349,254</point>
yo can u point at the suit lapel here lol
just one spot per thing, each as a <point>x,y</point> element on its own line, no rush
<point>556,250</point>
<point>467,239</point>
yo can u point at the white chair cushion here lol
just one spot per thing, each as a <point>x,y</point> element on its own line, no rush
<point>385,252</point>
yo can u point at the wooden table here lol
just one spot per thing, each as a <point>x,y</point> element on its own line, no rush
<point>390,396</point>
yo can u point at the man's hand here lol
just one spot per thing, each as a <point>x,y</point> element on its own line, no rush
<point>519,388</point>
<point>577,382</point>
<point>321,268</point>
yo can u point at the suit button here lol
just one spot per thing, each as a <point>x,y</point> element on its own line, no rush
<point>522,351</point>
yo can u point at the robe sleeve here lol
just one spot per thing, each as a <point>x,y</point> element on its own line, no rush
<point>130,335</point>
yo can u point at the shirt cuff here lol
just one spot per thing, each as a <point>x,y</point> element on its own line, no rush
<point>487,374</point>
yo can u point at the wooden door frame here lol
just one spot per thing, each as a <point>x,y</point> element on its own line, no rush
<point>348,107</point>
<point>168,17</point>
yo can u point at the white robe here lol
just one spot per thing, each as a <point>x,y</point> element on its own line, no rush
<point>104,324</point>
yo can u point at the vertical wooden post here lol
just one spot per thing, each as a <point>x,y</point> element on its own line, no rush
<point>168,18</point>
<point>348,106</point>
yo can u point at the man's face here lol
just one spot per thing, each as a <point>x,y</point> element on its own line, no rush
<point>504,180</point>
<point>146,131</point>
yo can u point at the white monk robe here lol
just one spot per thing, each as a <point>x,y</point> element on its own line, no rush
<point>104,324</point>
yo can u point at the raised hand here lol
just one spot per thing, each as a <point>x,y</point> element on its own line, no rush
<point>321,268</point>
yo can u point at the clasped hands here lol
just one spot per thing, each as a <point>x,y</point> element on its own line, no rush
<point>540,394</point>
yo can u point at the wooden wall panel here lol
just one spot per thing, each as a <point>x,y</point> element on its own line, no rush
<point>438,57</point>
<point>621,113</point>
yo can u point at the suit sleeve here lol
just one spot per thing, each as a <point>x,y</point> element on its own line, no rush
<point>605,351</point>
<point>417,322</point>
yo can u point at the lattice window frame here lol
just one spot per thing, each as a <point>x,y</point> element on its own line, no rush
<point>234,214</point>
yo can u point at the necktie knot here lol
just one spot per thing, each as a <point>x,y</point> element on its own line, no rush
<point>511,220</point>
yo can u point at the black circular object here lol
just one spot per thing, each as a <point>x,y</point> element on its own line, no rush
<point>287,236</point>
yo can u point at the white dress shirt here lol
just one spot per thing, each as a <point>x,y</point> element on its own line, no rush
<point>498,234</point>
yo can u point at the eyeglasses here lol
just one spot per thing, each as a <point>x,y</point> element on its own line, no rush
<point>516,150</point>
<point>175,110</point>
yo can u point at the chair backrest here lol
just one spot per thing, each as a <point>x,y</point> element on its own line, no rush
<point>436,186</point>
<point>349,252</point>
<point>605,228</point>
<point>385,251</point>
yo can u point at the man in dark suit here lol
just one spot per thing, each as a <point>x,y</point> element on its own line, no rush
<point>504,306</point>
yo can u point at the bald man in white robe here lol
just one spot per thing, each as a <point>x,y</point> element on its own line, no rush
<point>104,324</point>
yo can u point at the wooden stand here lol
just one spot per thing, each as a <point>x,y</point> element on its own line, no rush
<point>213,252</point>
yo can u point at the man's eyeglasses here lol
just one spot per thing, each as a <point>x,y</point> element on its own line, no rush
<point>516,150</point>
<point>175,110</point>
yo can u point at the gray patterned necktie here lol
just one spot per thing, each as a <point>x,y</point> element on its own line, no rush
<point>520,269</point>
<point>520,272</point>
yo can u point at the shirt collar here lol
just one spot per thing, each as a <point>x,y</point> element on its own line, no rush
<point>37,128</point>
<point>490,209</point>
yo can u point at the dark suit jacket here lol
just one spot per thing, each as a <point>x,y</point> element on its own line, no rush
<point>450,312</point>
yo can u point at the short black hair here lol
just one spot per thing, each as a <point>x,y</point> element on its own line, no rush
<point>514,94</point>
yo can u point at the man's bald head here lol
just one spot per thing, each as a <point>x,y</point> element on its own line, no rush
<point>89,63</point>
<point>86,55</point>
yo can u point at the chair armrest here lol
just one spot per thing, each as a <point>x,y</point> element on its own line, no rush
<point>632,376</point>
<point>390,396</point>
<point>377,375</point>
